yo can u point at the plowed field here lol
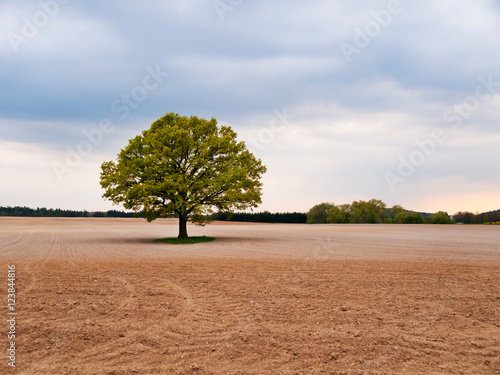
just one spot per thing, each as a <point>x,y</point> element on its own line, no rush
<point>99,296</point>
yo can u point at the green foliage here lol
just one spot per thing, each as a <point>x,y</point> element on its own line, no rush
<point>186,240</point>
<point>396,210</point>
<point>184,166</point>
<point>465,218</point>
<point>398,214</point>
<point>339,214</point>
<point>413,218</point>
<point>488,217</point>
<point>470,218</point>
<point>440,218</point>
<point>319,213</point>
<point>401,217</point>
<point>372,211</point>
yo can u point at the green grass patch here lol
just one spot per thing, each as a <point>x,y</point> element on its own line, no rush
<point>175,240</point>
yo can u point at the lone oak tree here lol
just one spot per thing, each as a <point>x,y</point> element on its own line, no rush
<point>187,167</point>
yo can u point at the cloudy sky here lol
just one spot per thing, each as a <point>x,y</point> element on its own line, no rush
<point>342,100</point>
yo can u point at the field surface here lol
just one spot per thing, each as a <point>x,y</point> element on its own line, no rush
<point>99,296</point>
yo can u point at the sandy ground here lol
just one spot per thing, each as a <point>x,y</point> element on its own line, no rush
<point>99,296</point>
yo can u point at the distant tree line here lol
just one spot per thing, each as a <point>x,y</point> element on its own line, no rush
<point>376,211</point>
<point>57,212</point>
<point>491,217</point>
<point>262,217</point>
<point>372,211</point>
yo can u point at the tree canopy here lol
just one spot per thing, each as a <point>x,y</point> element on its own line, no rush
<point>440,218</point>
<point>372,211</point>
<point>319,213</point>
<point>184,166</point>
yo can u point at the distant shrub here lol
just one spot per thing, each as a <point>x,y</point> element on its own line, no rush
<point>319,213</point>
<point>440,217</point>
<point>413,219</point>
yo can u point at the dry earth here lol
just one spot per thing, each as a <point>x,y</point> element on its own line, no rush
<point>99,296</point>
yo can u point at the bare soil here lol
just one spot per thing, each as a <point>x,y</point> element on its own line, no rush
<point>99,296</point>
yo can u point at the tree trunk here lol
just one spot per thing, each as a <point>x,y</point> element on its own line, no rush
<point>182,227</point>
